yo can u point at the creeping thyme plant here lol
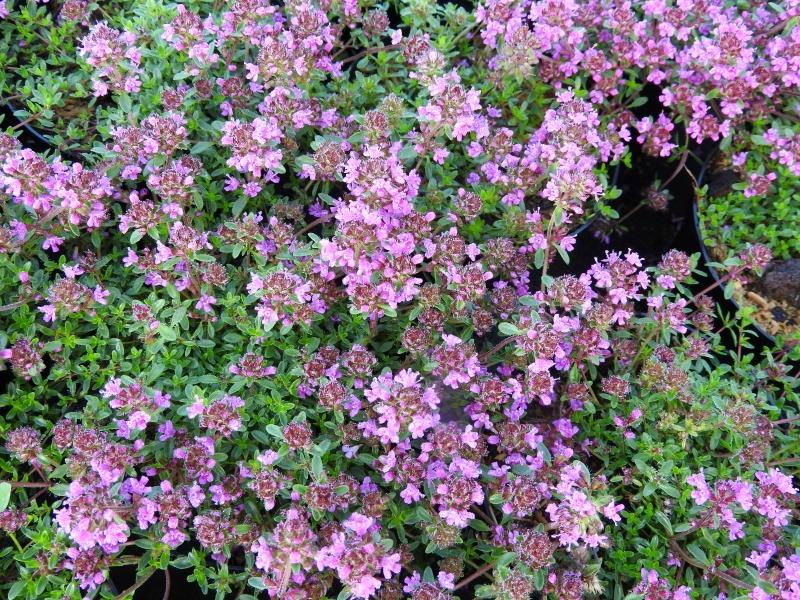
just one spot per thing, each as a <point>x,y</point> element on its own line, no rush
<point>43,74</point>
<point>287,316</point>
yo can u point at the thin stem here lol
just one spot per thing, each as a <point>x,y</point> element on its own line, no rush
<point>139,583</point>
<point>126,560</point>
<point>314,223</point>
<point>786,421</point>
<point>696,563</point>
<point>342,49</point>
<point>475,575</point>
<point>33,117</point>
<point>16,541</point>
<point>495,349</point>
<point>28,484</point>
<point>14,305</point>
<point>784,461</point>
<point>241,590</point>
<point>284,583</point>
<point>105,14</point>
<point>167,585</point>
<point>716,284</point>
<point>550,225</point>
<point>777,28</point>
<point>677,170</point>
<point>642,348</point>
<point>482,514</point>
<point>464,32</point>
<point>629,213</point>
<point>684,534</point>
<point>363,53</point>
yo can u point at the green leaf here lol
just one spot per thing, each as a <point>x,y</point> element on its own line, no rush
<point>728,293</point>
<point>201,147</point>
<point>316,466</point>
<point>539,579</point>
<point>508,329</point>
<point>167,333</point>
<point>274,431</point>
<point>256,583</point>
<point>16,589</point>
<point>182,562</point>
<point>238,206</point>
<point>478,525</point>
<point>178,315</point>
<point>698,553</point>
<point>538,259</point>
<point>664,520</point>
<point>5,494</point>
<point>506,559</point>
<point>563,254</point>
<point>260,436</point>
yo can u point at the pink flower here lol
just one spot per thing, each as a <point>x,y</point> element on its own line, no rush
<point>100,295</point>
<point>205,302</point>
<point>359,523</point>
<point>52,243</point>
<point>701,494</point>
<point>446,580</point>
<point>611,511</point>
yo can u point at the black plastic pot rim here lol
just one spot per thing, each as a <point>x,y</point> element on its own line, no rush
<point>591,220</point>
<point>41,140</point>
<point>31,130</point>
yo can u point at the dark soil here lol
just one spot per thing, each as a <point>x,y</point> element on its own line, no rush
<point>648,232</point>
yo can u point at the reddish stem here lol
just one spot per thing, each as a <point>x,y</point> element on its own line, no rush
<point>475,575</point>
<point>786,421</point>
<point>495,349</point>
<point>368,51</point>
<point>314,223</point>
<point>28,484</point>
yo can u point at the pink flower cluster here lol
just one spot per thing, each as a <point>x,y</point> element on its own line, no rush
<point>715,66</point>
<point>61,196</point>
<point>402,407</point>
<point>771,496</point>
<point>115,58</point>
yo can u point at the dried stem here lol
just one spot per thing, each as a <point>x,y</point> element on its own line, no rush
<point>167,585</point>
<point>475,575</point>
<point>787,420</point>
<point>734,581</point>
<point>30,119</point>
<point>677,170</point>
<point>363,53</point>
<point>28,484</point>
<point>495,349</point>
<point>139,583</point>
<point>314,223</point>
<point>13,305</point>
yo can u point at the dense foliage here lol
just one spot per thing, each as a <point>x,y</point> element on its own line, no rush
<point>740,215</point>
<point>278,307</point>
